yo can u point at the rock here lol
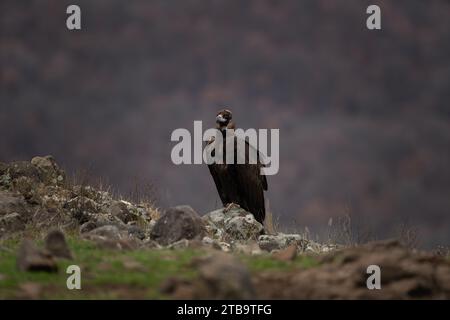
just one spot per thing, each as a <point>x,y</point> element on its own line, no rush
<point>221,276</point>
<point>35,194</point>
<point>5,181</point>
<point>342,274</point>
<point>215,244</point>
<point>180,244</point>
<point>136,232</point>
<point>100,197</point>
<point>46,163</point>
<point>208,241</point>
<point>287,254</point>
<point>317,248</point>
<point>31,258</point>
<point>111,232</point>
<point>234,224</point>
<point>52,198</point>
<point>22,169</point>
<point>224,246</point>
<point>178,223</point>
<point>56,244</point>
<point>11,222</point>
<point>14,213</point>
<point>26,187</point>
<point>120,210</point>
<point>3,168</point>
<point>217,217</point>
<point>243,227</point>
<point>250,248</point>
<point>150,226</point>
<point>150,244</point>
<point>225,276</point>
<point>184,243</point>
<point>49,171</point>
<point>10,202</point>
<point>83,209</point>
<point>88,226</point>
<point>113,237</point>
<point>281,241</point>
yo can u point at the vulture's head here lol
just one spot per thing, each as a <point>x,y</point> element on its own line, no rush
<point>223,120</point>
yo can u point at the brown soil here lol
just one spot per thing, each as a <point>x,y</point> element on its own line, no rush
<point>404,275</point>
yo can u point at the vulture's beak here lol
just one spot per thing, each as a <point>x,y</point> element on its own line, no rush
<point>220,119</point>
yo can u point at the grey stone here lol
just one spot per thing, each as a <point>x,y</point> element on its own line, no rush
<point>82,208</point>
<point>113,237</point>
<point>14,213</point>
<point>120,210</point>
<point>107,232</point>
<point>11,222</point>
<point>219,217</point>
<point>281,241</point>
<point>135,231</point>
<point>49,171</point>
<point>22,168</point>
<point>178,223</point>
<point>232,224</point>
<point>55,243</point>
<point>250,248</point>
<point>88,226</point>
<point>243,227</point>
<point>31,258</point>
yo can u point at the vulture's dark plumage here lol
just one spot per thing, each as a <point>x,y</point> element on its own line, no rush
<point>241,184</point>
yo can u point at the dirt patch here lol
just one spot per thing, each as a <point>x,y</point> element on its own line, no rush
<point>343,275</point>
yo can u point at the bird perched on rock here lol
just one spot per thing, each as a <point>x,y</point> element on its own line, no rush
<point>238,183</point>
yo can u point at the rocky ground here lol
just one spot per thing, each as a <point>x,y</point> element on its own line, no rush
<point>128,250</point>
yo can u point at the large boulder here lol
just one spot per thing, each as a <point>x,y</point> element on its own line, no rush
<point>178,223</point>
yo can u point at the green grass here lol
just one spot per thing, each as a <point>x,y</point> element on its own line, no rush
<point>113,274</point>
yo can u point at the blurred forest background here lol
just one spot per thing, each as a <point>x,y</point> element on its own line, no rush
<point>363,115</point>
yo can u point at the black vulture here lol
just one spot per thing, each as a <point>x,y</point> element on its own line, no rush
<point>241,182</point>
